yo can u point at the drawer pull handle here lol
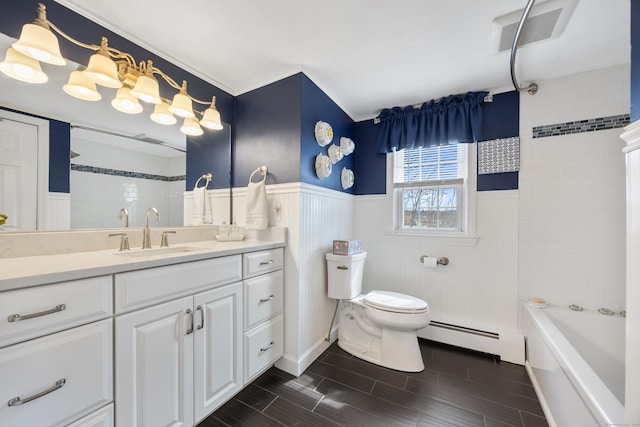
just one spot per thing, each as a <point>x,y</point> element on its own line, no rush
<point>199,308</point>
<point>17,317</point>
<point>190,313</point>
<point>16,401</point>
<point>263,349</point>
<point>342,267</point>
<point>271,261</point>
<point>267,299</point>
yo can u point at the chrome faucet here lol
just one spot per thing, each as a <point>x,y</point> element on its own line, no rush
<point>146,236</point>
<point>125,213</point>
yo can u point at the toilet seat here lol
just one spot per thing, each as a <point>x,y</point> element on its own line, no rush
<point>395,302</point>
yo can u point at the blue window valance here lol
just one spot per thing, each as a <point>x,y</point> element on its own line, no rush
<point>456,118</point>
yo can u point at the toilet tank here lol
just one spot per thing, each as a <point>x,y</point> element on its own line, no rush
<point>344,275</point>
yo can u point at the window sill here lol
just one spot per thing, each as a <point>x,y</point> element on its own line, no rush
<point>457,239</point>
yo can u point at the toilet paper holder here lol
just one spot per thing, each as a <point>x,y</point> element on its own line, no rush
<point>441,261</point>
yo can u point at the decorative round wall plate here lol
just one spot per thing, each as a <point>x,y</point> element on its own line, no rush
<point>347,178</point>
<point>323,166</point>
<point>347,145</point>
<point>324,133</point>
<point>335,153</point>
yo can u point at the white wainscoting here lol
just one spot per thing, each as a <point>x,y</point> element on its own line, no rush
<point>314,217</point>
<point>58,211</point>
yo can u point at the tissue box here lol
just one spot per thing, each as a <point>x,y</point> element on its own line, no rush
<point>347,247</point>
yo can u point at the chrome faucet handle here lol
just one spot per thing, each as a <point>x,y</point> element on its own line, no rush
<point>124,241</point>
<point>164,241</point>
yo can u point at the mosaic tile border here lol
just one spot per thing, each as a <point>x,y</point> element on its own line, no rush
<point>499,155</point>
<point>581,126</point>
<point>127,174</point>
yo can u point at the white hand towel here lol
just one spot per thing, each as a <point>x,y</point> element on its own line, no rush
<point>199,196</point>
<point>257,206</point>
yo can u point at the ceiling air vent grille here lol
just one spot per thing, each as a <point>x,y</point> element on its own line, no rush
<point>546,20</point>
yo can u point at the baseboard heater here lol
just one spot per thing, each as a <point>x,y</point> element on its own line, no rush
<point>464,329</point>
<point>508,345</point>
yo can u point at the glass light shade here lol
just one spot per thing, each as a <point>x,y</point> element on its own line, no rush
<point>182,106</point>
<point>22,67</point>
<point>38,42</point>
<point>103,71</point>
<point>125,102</point>
<point>211,119</point>
<point>191,127</point>
<point>79,87</point>
<point>162,115</point>
<point>147,90</point>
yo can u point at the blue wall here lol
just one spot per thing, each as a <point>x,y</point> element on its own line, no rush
<point>370,167</point>
<point>316,106</point>
<point>275,127</point>
<point>500,119</point>
<point>15,13</point>
<point>268,132</point>
<point>635,61</point>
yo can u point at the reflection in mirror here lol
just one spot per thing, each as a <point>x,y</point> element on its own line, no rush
<point>117,160</point>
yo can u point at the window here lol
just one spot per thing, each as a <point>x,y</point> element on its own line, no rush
<point>429,185</point>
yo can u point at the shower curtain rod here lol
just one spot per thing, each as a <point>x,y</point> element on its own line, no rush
<point>533,87</point>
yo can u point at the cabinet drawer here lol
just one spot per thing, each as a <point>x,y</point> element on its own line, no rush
<point>100,418</point>
<point>74,365</point>
<point>33,312</point>
<point>261,262</point>
<point>263,298</point>
<point>144,288</point>
<point>263,345</point>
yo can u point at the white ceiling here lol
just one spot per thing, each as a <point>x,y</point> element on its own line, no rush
<point>365,54</point>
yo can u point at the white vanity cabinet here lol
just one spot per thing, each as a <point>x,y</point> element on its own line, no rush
<point>56,355</point>
<point>264,302</point>
<point>176,361</point>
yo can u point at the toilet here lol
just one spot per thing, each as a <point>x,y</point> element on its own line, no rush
<point>380,326</point>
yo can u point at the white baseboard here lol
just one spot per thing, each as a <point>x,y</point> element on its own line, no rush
<point>297,366</point>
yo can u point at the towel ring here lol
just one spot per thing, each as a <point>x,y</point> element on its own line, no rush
<point>262,170</point>
<point>207,177</point>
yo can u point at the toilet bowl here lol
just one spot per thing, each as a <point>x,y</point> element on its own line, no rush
<point>380,326</point>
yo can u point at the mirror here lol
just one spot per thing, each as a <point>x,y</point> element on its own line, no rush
<point>117,160</point>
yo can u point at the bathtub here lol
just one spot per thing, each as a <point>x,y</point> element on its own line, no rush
<point>576,364</point>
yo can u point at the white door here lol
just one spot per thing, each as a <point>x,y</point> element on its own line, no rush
<point>218,347</point>
<point>19,173</point>
<point>154,366</point>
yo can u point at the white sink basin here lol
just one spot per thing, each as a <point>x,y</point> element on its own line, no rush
<point>157,251</point>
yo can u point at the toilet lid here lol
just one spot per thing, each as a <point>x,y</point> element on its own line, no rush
<point>394,301</point>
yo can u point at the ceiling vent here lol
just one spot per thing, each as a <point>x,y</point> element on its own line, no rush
<point>547,20</point>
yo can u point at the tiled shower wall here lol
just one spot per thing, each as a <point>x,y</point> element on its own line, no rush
<point>572,191</point>
<point>105,179</point>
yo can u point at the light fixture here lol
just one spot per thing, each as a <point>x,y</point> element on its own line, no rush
<point>191,127</point>
<point>37,41</point>
<point>162,115</point>
<point>125,102</point>
<point>147,88</point>
<point>107,67</point>
<point>211,117</point>
<point>182,105</point>
<point>22,67</point>
<point>80,87</point>
<point>101,69</point>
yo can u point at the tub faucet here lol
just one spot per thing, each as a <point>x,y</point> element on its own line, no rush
<point>146,236</point>
<point>125,213</point>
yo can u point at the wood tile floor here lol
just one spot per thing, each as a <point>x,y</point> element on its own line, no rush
<point>457,388</point>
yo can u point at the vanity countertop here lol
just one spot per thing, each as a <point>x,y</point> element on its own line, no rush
<point>22,272</point>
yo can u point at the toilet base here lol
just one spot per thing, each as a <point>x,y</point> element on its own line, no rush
<point>390,348</point>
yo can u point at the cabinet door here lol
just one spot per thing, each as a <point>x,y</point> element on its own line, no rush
<point>218,347</point>
<point>154,366</point>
